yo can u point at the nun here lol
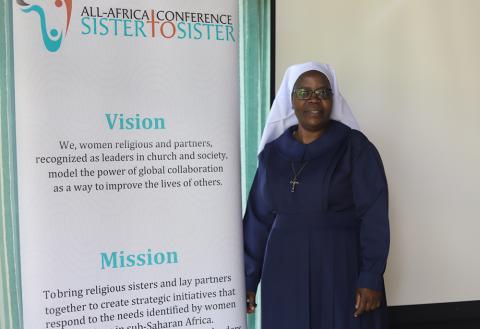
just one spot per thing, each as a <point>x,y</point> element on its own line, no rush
<point>316,230</point>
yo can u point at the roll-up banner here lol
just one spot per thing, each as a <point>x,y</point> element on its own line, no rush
<point>127,123</point>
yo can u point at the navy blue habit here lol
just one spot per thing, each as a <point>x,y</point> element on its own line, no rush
<point>313,247</point>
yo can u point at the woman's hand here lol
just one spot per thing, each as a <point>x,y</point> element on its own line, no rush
<point>251,302</point>
<point>367,300</point>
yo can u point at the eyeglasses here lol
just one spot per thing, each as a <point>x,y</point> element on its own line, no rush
<point>304,93</point>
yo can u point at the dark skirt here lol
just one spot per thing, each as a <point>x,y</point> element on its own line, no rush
<point>310,273</point>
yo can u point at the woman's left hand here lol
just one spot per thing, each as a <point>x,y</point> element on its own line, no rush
<point>367,300</point>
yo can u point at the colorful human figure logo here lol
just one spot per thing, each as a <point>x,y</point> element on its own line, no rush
<point>52,36</point>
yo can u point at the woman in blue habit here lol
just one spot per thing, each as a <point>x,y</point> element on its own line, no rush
<point>316,226</point>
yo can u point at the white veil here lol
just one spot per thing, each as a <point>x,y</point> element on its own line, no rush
<point>282,116</point>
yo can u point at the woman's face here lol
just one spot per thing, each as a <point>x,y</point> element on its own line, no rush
<point>313,114</point>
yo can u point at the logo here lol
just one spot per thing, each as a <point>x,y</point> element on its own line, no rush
<point>55,17</point>
<point>52,35</point>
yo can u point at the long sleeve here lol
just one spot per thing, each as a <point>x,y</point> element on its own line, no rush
<point>371,201</point>
<point>256,228</point>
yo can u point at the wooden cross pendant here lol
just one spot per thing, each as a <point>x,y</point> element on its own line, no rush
<point>294,182</point>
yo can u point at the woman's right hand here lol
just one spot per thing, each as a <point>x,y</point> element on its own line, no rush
<point>251,305</point>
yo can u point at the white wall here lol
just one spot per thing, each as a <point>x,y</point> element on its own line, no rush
<point>410,70</point>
